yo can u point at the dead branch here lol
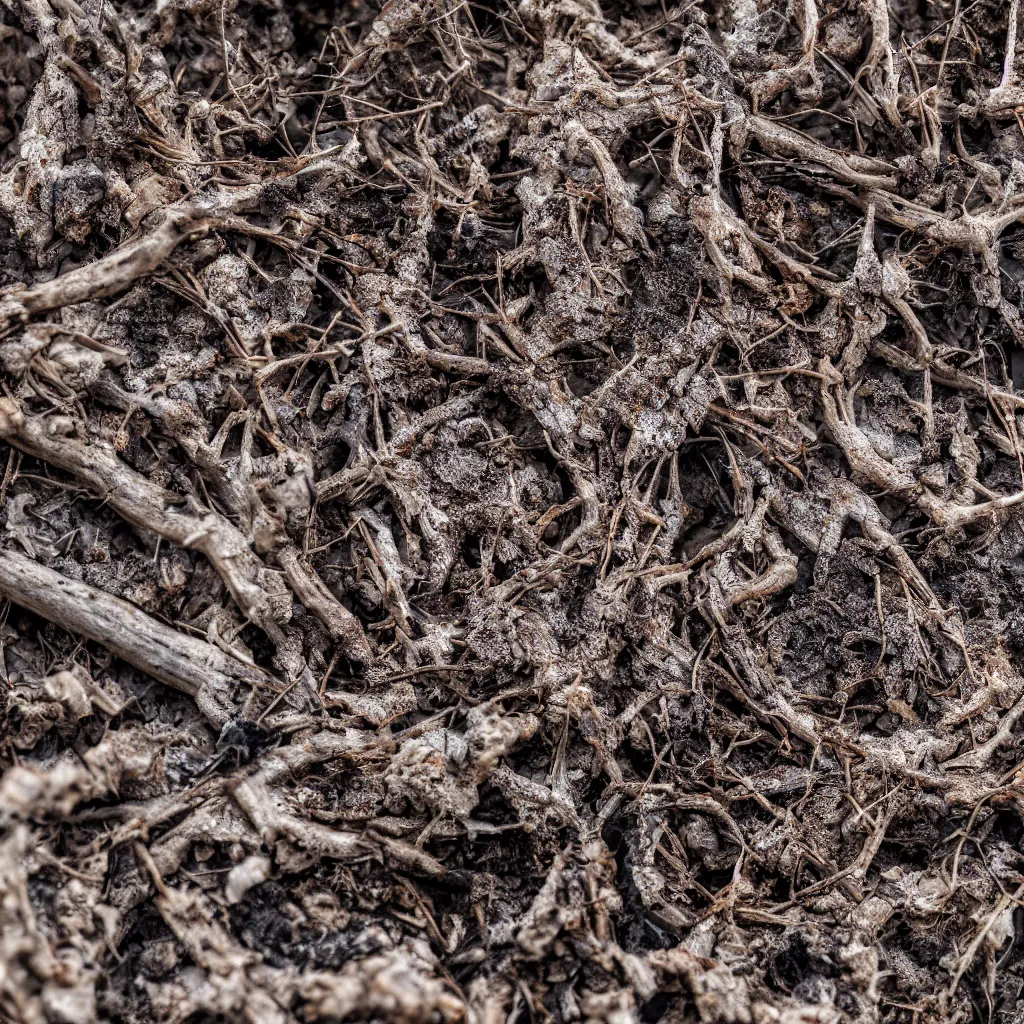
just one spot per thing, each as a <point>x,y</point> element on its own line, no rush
<point>204,672</point>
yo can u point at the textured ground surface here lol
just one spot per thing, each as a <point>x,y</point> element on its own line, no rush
<point>511,512</point>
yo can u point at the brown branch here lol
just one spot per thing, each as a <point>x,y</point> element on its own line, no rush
<point>343,626</point>
<point>119,269</point>
<point>148,506</point>
<point>197,668</point>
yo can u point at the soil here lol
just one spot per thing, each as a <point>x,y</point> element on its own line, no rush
<point>510,512</point>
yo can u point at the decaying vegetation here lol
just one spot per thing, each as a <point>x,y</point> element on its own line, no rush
<point>512,511</point>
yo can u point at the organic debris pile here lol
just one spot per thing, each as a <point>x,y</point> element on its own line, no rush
<point>512,511</point>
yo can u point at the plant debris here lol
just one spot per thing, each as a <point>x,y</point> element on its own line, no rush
<point>512,511</point>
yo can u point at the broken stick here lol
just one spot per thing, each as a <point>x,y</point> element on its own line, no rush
<point>204,672</point>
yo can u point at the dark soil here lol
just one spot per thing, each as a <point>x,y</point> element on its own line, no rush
<point>511,511</point>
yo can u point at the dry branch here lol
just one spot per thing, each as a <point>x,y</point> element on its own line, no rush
<point>204,672</point>
<point>589,436</point>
